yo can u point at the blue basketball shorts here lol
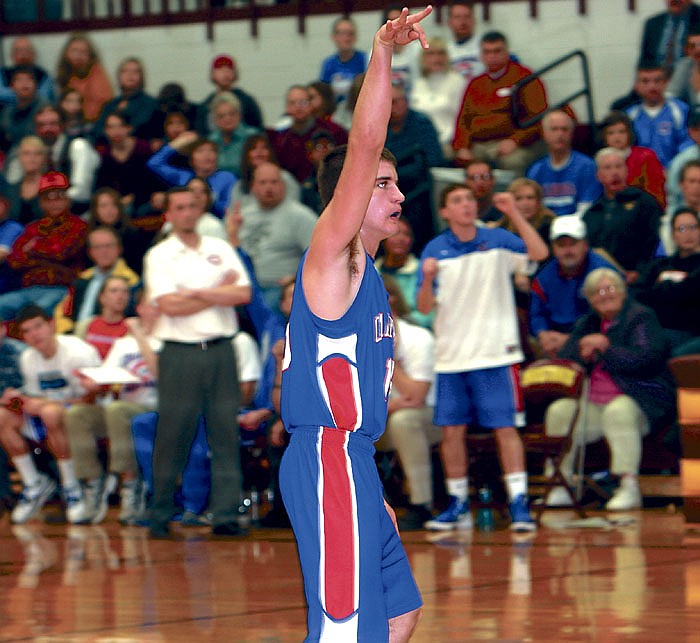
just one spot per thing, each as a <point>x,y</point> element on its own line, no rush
<point>355,569</point>
<point>488,397</point>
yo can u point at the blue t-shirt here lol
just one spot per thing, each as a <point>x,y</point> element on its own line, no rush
<point>339,75</point>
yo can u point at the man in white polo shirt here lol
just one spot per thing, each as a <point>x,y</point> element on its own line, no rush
<point>195,282</point>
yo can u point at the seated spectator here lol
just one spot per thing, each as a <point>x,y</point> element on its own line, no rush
<point>107,210</point>
<point>123,165</point>
<point>624,221</point>
<point>413,140</point>
<point>23,54</point>
<point>10,378</point>
<point>275,231</point>
<point>692,152</point>
<point>51,386</point>
<point>24,194</point>
<point>322,100</point>
<point>437,92</point>
<point>399,263</point>
<point>479,178</point>
<point>644,170</point>
<point>70,104</point>
<point>132,352</point>
<point>49,253</point>
<point>529,202</point>
<point>557,301</point>
<point>567,177</point>
<point>224,75</point>
<point>670,286</point>
<point>203,157</point>
<point>256,151</point>
<point>321,143</point>
<point>171,100</point>
<point>79,67</point>
<point>689,185</point>
<point>659,122</point>
<point>290,143</point>
<point>74,157</point>
<point>622,345</point>
<point>464,44</point>
<point>409,429</point>
<point>104,249</point>
<point>485,128</point>
<point>132,101</point>
<point>683,83</point>
<point>17,120</point>
<point>103,329</point>
<point>9,231</point>
<point>340,68</point>
<point>229,132</point>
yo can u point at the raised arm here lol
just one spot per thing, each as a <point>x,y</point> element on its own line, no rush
<point>328,261</point>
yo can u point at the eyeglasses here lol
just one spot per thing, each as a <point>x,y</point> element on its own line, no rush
<point>486,176</point>
<point>605,290</point>
<point>302,102</point>
<point>691,227</point>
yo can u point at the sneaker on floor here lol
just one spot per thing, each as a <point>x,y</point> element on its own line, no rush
<point>78,512</point>
<point>192,519</point>
<point>627,496</point>
<point>108,485</point>
<point>558,497</point>
<point>520,518</point>
<point>414,518</point>
<point>456,516</point>
<point>133,502</point>
<point>33,499</point>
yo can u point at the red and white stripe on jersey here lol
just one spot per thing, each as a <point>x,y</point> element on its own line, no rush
<point>518,402</point>
<point>339,381</point>
<point>340,553</point>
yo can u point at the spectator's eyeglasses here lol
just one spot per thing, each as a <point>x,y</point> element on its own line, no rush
<point>486,176</point>
<point>691,227</point>
<point>605,290</point>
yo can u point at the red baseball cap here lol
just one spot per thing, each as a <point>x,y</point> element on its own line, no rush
<point>223,60</point>
<point>53,181</point>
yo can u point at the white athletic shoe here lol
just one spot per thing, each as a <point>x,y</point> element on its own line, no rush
<point>77,510</point>
<point>33,499</point>
<point>627,495</point>
<point>558,497</point>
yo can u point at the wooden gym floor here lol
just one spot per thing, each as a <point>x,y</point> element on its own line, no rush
<point>638,580</point>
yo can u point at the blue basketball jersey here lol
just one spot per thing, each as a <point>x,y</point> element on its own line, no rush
<point>337,374</point>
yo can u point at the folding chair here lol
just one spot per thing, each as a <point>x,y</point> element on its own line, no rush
<point>686,372</point>
<point>542,383</point>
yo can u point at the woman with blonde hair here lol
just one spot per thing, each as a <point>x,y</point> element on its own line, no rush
<point>528,201</point>
<point>79,67</point>
<point>24,194</point>
<point>438,92</point>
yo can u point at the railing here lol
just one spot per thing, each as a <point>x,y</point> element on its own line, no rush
<point>585,91</point>
<point>46,16</point>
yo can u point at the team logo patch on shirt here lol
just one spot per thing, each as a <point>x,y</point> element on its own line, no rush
<point>214,259</point>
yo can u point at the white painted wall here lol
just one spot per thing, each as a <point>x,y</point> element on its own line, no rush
<point>609,34</point>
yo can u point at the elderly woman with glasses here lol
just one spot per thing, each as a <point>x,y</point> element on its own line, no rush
<point>623,347</point>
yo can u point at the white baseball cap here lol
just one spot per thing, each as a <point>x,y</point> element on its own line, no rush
<point>568,225</point>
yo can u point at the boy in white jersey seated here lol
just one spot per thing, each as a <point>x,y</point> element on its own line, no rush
<point>466,274</point>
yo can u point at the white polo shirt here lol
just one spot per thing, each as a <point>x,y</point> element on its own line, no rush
<point>171,266</point>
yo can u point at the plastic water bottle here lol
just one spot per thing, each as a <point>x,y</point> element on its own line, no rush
<point>484,516</point>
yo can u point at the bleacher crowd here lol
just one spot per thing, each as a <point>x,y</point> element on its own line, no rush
<point>123,214</point>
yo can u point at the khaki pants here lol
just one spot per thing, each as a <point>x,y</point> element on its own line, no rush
<point>621,422</point>
<point>411,433</point>
<point>85,423</point>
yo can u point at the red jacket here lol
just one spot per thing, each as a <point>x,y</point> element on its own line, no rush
<point>50,251</point>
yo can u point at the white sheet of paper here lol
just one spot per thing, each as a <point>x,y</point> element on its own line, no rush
<point>110,375</point>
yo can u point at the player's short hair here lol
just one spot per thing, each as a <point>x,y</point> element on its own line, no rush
<point>330,168</point>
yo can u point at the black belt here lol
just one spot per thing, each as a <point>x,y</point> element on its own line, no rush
<point>202,344</point>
